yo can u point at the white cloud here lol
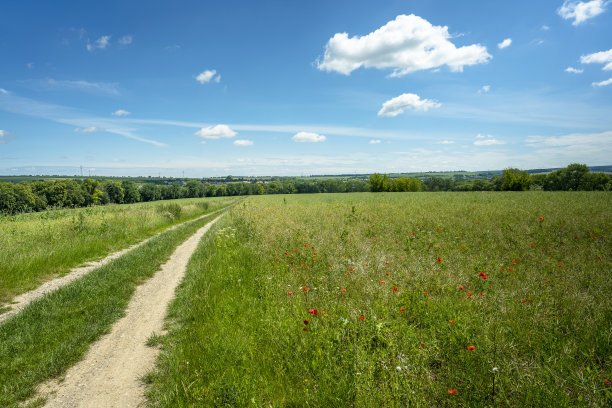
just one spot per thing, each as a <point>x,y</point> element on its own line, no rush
<point>90,129</point>
<point>573,70</point>
<point>243,143</point>
<point>308,137</point>
<point>126,40</point>
<point>399,104</point>
<point>101,43</point>
<point>3,91</point>
<point>445,142</point>
<point>581,11</point>
<point>602,57</point>
<point>207,76</point>
<point>544,27</point>
<point>487,140</point>
<point>484,89</point>
<point>504,44</point>
<point>603,83</point>
<point>216,132</point>
<point>120,112</point>
<point>406,44</point>
<point>375,141</point>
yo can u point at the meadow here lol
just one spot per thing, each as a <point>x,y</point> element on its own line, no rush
<point>40,246</point>
<point>396,299</point>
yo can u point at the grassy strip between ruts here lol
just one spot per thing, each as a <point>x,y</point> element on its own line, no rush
<point>55,332</point>
<point>396,300</point>
<point>39,246</point>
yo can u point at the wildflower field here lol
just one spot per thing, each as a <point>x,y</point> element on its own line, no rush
<point>398,299</point>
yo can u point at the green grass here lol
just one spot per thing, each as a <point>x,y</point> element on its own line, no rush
<point>541,332</point>
<point>40,246</point>
<point>54,332</point>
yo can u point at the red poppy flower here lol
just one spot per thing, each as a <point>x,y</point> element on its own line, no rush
<point>395,288</point>
<point>559,265</point>
<point>329,266</point>
<point>481,274</point>
<point>460,287</point>
<point>306,322</point>
<point>290,293</point>
<point>452,391</point>
<point>469,293</point>
<point>387,273</point>
<point>361,318</point>
<point>343,290</point>
<point>305,289</point>
<point>311,311</point>
<point>482,294</point>
<point>421,345</point>
<point>382,281</point>
<point>451,321</point>
<point>439,259</point>
<point>316,313</point>
<point>471,348</point>
<point>387,263</point>
<point>484,276</point>
<point>514,260</point>
<point>286,253</point>
<point>523,300</point>
<point>541,218</point>
<point>402,309</point>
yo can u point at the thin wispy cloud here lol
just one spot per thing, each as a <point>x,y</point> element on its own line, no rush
<point>50,84</point>
<point>573,70</point>
<point>99,44</point>
<point>120,112</point>
<point>308,137</point>
<point>603,83</point>
<point>126,40</point>
<point>375,141</point>
<point>90,129</point>
<point>243,143</point>
<point>445,142</point>
<point>487,140</point>
<point>484,89</point>
<point>404,45</point>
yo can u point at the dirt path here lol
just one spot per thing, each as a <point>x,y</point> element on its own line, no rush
<point>20,302</point>
<point>110,373</point>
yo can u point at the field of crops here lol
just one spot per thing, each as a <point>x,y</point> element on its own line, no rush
<point>400,299</point>
<point>40,246</point>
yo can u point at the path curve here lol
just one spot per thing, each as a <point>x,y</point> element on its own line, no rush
<point>110,374</point>
<point>20,302</point>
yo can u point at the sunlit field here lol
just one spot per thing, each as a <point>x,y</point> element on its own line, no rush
<point>399,299</point>
<point>39,246</point>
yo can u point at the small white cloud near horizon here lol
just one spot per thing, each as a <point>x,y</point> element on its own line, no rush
<point>216,132</point>
<point>400,104</point>
<point>308,137</point>
<point>207,76</point>
<point>602,83</point>
<point>374,141</point>
<point>243,142</point>
<point>484,89</point>
<point>602,57</point>
<point>581,11</point>
<point>121,112</point>
<point>407,44</point>
<point>445,142</point>
<point>504,44</point>
<point>487,140</point>
<point>101,43</point>
<point>126,40</point>
<point>573,70</point>
<point>90,129</point>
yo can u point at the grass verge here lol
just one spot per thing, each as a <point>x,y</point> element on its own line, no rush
<point>55,332</point>
<point>451,299</point>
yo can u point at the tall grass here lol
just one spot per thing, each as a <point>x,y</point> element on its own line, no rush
<point>39,246</point>
<point>450,299</point>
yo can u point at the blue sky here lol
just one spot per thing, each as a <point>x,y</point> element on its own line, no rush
<point>214,88</point>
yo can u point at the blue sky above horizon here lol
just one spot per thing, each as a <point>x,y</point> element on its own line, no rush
<point>288,88</point>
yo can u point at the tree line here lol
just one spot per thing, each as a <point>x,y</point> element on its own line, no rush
<point>29,196</point>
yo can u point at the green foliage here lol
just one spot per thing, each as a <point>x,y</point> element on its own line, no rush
<point>515,180</point>
<point>113,190</point>
<point>130,192</point>
<point>380,183</point>
<point>573,178</point>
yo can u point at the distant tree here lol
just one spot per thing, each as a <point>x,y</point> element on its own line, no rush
<point>130,192</point>
<point>515,180</point>
<point>150,192</point>
<point>113,190</point>
<point>192,188</point>
<point>93,195</point>
<point>377,183</point>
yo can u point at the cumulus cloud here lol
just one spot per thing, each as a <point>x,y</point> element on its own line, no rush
<point>126,40</point>
<point>216,132</point>
<point>602,57</point>
<point>406,44</point>
<point>581,11</point>
<point>207,76</point>
<point>399,104</point>
<point>487,140</point>
<point>90,129</point>
<point>243,143</point>
<point>573,70</point>
<point>603,83</point>
<point>484,89</point>
<point>504,44</point>
<point>308,137</point>
<point>120,112</point>
<point>375,141</point>
<point>101,43</point>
